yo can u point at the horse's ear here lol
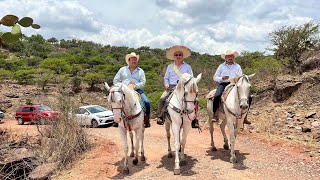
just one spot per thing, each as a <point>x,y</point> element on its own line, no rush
<point>199,77</point>
<point>106,86</point>
<point>251,75</point>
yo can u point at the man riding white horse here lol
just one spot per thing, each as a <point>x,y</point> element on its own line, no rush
<point>134,76</point>
<point>174,71</point>
<point>225,72</point>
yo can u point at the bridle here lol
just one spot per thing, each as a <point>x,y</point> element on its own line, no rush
<point>185,102</point>
<point>124,115</point>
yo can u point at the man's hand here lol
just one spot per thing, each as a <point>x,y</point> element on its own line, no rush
<point>167,87</point>
<point>225,77</point>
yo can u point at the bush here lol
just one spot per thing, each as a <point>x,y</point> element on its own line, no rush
<point>25,76</point>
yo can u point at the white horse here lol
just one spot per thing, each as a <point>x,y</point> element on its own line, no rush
<point>181,109</point>
<point>130,117</point>
<point>232,112</point>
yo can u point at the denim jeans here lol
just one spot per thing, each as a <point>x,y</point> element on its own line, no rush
<point>145,100</point>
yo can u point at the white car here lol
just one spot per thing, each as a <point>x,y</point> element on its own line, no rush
<point>94,116</point>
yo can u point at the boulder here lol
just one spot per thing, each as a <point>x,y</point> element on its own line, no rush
<point>285,86</point>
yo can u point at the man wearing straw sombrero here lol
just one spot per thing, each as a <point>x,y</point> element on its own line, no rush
<point>134,77</point>
<point>225,74</point>
<point>174,70</point>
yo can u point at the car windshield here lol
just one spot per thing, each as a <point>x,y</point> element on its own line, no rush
<point>96,109</point>
<point>44,108</point>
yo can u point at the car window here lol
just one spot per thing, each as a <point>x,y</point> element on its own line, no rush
<point>96,109</point>
<point>44,108</point>
<point>82,111</point>
<point>19,109</point>
<point>27,109</point>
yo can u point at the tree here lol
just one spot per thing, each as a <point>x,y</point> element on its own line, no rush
<point>290,42</point>
<point>59,66</point>
<point>93,79</point>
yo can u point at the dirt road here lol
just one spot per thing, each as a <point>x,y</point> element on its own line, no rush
<point>258,158</point>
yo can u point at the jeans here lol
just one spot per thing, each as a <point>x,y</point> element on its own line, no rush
<point>145,100</point>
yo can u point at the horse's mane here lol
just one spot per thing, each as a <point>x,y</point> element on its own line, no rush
<point>183,79</point>
<point>130,98</point>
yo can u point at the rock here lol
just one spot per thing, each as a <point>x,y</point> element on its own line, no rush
<point>11,95</point>
<point>43,171</point>
<point>285,86</point>
<point>316,136</point>
<point>305,129</point>
<point>310,115</point>
<point>315,124</point>
<point>5,104</point>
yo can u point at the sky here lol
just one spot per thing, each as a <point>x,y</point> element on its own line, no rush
<point>205,26</point>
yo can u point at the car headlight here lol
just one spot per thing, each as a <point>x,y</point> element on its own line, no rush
<point>100,116</point>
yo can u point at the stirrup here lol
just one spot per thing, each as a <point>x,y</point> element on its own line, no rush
<point>160,121</point>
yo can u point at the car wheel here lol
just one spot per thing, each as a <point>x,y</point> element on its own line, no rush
<point>20,121</point>
<point>94,123</point>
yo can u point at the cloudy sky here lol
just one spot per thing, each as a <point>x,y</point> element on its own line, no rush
<point>205,26</point>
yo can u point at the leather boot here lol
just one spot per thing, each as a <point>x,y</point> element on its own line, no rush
<point>146,121</point>
<point>195,123</point>
<point>246,121</point>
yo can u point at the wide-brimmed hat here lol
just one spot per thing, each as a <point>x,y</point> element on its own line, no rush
<point>177,48</point>
<point>230,52</point>
<point>133,54</point>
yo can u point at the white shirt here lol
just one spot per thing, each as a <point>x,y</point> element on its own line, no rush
<point>224,69</point>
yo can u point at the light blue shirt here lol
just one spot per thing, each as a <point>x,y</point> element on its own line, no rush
<point>232,71</point>
<point>124,75</point>
<point>171,77</point>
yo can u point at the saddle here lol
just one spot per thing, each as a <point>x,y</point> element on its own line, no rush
<point>138,96</point>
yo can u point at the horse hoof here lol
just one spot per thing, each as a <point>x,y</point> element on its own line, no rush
<point>233,160</point>
<point>170,155</point>
<point>176,171</point>
<point>213,149</point>
<point>125,171</point>
<point>183,163</point>
<point>143,158</point>
<point>226,147</point>
<point>135,161</point>
<point>132,154</point>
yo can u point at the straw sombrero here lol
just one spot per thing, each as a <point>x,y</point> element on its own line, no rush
<point>128,56</point>
<point>229,52</point>
<point>177,48</point>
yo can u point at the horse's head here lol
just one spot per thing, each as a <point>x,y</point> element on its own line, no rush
<point>243,85</point>
<point>116,97</point>
<point>187,86</point>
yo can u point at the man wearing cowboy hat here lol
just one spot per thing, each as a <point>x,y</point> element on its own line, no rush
<point>134,76</point>
<point>226,73</point>
<point>172,75</point>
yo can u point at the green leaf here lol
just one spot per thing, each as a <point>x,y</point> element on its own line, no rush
<point>8,37</point>
<point>35,26</point>
<point>16,30</point>
<point>26,22</point>
<point>9,20</point>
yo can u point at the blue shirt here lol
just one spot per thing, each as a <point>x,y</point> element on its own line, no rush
<point>124,75</point>
<point>232,71</point>
<point>171,76</point>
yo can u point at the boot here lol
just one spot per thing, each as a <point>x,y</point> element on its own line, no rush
<point>195,123</point>
<point>115,124</point>
<point>146,121</point>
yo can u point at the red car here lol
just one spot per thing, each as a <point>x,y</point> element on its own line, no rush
<point>34,113</point>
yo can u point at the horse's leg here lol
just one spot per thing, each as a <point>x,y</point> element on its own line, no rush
<point>132,147</point>
<point>123,133</point>
<point>185,131</point>
<point>176,133</point>
<point>230,120</point>
<point>143,158</point>
<point>137,145</point>
<point>210,114</point>
<point>167,127</point>
<point>223,131</point>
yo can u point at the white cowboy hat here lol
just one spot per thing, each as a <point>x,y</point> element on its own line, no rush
<point>133,54</point>
<point>177,48</point>
<point>230,52</point>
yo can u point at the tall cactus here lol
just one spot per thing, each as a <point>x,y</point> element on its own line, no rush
<point>14,22</point>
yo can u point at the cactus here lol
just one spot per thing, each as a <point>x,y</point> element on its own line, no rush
<point>14,22</point>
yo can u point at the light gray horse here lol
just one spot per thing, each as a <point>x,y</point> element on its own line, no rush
<point>130,116</point>
<point>181,109</point>
<point>232,112</point>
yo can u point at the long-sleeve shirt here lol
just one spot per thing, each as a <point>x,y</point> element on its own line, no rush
<point>224,69</point>
<point>171,77</point>
<point>124,75</point>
